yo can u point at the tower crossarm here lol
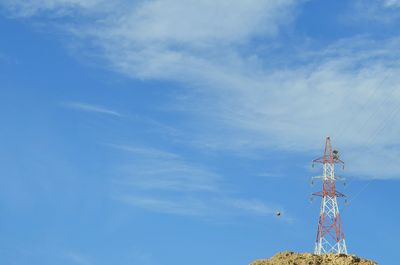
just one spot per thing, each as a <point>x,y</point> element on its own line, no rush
<point>317,177</point>
<point>326,159</point>
<point>336,194</point>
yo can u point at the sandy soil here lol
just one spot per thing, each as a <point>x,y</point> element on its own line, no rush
<point>286,258</point>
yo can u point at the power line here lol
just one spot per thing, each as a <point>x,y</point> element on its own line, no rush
<point>363,107</point>
<point>382,126</point>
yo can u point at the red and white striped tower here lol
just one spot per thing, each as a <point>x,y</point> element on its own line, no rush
<point>330,236</point>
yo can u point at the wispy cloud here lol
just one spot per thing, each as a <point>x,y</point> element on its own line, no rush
<point>260,208</point>
<point>92,108</point>
<point>254,206</point>
<point>163,205</point>
<point>77,258</point>
<point>391,3</point>
<point>147,151</point>
<point>381,11</point>
<point>50,7</point>
<point>164,182</point>
<point>152,169</point>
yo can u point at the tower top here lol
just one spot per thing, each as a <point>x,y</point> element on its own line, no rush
<point>331,156</point>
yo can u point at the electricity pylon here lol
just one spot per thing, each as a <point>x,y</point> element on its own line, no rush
<point>330,236</point>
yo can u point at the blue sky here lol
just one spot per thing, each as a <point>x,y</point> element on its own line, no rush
<point>166,132</point>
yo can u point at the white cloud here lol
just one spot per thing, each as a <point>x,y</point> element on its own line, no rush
<point>346,90</point>
<point>145,38</point>
<point>159,39</point>
<point>198,23</point>
<point>92,108</point>
<point>350,95</point>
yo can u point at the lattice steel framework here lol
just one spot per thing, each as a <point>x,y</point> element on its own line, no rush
<point>330,236</point>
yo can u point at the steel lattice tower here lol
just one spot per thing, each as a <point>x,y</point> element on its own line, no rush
<point>330,236</point>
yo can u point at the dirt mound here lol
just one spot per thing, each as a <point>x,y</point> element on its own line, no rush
<point>311,259</point>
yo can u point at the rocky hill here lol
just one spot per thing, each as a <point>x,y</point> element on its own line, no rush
<point>286,258</point>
